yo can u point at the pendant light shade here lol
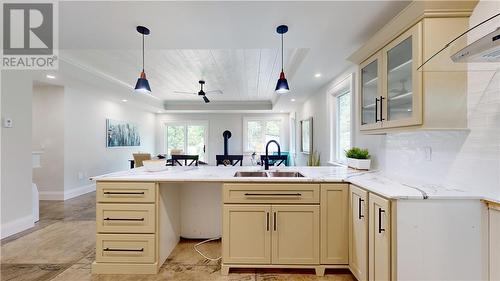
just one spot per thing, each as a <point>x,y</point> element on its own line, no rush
<point>282,85</point>
<point>142,85</point>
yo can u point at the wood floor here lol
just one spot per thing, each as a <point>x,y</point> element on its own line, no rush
<point>61,246</point>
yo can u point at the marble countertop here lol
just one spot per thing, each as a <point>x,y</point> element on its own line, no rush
<point>374,181</point>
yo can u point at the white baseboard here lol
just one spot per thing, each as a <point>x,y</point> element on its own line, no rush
<point>16,226</point>
<point>51,195</point>
<point>67,194</point>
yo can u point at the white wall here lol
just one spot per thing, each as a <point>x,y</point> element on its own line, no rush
<point>48,136</point>
<point>16,170</point>
<point>218,123</point>
<point>321,106</point>
<point>85,151</point>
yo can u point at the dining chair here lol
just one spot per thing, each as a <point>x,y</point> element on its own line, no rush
<point>140,157</point>
<point>176,160</point>
<point>229,160</point>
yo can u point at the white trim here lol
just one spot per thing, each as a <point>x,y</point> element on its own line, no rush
<point>74,192</point>
<point>67,194</point>
<point>345,85</point>
<point>16,226</point>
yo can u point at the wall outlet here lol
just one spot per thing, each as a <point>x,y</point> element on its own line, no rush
<point>428,153</point>
<point>8,123</point>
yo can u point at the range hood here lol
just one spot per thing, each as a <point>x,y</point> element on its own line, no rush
<point>486,49</point>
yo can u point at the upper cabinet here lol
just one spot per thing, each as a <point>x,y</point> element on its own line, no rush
<point>395,92</point>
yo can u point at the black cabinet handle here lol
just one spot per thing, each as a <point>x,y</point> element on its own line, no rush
<point>267,221</point>
<point>380,229</point>
<point>111,219</point>
<point>273,194</point>
<point>123,250</point>
<point>274,221</point>
<point>376,110</point>
<point>123,193</point>
<point>360,215</point>
<point>381,108</point>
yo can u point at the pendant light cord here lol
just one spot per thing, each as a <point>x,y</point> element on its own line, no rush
<point>143,52</point>
<point>282,52</point>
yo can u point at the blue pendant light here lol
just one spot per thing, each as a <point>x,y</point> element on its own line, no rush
<point>282,85</point>
<point>142,85</point>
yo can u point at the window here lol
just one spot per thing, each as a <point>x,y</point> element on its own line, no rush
<point>257,132</point>
<point>187,138</point>
<point>343,125</point>
<point>341,120</point>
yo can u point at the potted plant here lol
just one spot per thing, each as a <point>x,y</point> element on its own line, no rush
<point>358,158</point>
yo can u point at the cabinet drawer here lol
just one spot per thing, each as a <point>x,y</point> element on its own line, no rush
<point>126,192</point>
<point>125,248</point>
<point>125,218</point>
<point>271,193</point>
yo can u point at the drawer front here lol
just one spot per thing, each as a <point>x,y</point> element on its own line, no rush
<point>242,193</point>
<point>125,248</point>
<point>125,218</point>
<point>126,192</point>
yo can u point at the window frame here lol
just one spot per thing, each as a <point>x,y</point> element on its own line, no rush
<point>341,88</point>
<point>186,124</point>
<point>260,119</point>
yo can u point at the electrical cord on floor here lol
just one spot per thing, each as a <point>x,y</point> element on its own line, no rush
<point>203,255</point>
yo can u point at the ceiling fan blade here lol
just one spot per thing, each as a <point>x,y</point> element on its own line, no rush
<point>189,93</point>
<point>206,99</point>
<point>219,92</point>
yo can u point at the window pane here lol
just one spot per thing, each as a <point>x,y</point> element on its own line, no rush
<point>344,125</point>
<point>175,138</point>
<point>254,133</point>
<point>272,133</point>
<point>196,141</point>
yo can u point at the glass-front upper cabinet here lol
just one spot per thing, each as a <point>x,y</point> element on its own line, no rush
<point>371,88</point>
<point>402,95</point>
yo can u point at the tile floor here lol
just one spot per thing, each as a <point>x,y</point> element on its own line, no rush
<point>61,248</point>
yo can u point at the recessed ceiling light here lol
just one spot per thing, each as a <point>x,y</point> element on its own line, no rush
<point>50,76</point>
<point>317,75</point>
<point>124,100</point>
<point>292,99</point>
<point>159,111</point>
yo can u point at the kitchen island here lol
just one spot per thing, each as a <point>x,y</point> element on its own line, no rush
<point>331,217</point>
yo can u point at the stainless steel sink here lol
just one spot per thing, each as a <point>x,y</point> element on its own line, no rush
<point>285,174</point>
<point>271,174</point>
<point>250,175</point>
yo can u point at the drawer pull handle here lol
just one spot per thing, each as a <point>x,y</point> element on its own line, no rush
<point>123,250</point>
<point>360,215</point>
<point>123,193</point>
<point>380,229</point>
<point>273,194</point>
<point>111,219</point>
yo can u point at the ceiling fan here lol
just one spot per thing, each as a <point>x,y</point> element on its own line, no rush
<point>201,93</point>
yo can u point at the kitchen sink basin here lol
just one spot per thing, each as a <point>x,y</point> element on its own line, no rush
<point>271,174</point>
<point>250,175</point>
<point>285,175</point>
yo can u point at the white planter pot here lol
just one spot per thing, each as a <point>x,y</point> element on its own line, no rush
<point>360,164</point>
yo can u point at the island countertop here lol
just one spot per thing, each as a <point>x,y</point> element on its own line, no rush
<point>374,181</point>
<point>328,174</point>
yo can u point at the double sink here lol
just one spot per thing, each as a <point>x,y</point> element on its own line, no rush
<point>268,174</point>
